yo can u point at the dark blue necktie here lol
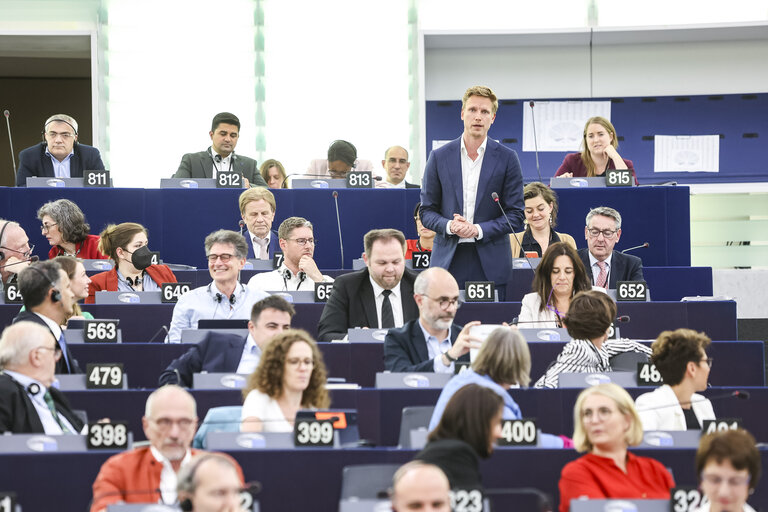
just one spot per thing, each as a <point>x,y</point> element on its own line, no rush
<point>63,347</point>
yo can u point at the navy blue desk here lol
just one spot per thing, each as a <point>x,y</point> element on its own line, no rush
<point>718,319</point>
<point>738,363</point>
<point>660,216</point>
<point>316,472</point>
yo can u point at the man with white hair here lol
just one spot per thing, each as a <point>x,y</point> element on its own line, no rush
<point>28,402</point>
<point>59,155</point>
<point>15,251</point>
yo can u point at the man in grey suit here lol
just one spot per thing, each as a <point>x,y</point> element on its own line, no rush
<point>220,157</point>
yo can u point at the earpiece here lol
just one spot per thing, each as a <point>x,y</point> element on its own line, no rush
<point>33,388</point>
<point>186,505</point>
<point>2,231</point>
<point>56,294</point>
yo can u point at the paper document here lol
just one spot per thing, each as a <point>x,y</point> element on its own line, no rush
<point>686,153</point>
<point>560,124</point>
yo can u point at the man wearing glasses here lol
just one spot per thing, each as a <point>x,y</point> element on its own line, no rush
<point>225,297</point>
<point>298,271</point>
<point>431,343</point>
<point>605,267</point>
<point>59,155</point>
<point>15,251</point>
<point>149,474</point>
<point>29,404</point>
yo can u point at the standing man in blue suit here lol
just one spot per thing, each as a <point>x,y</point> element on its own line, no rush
<point>456,197</point>
<point>59,155</point>
<point>257,209</point>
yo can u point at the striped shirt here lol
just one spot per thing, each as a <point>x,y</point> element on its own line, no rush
<point>582,356</point>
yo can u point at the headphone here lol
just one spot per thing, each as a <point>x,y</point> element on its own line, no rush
<point>133,283</point>
<point>217,159</point>
<point>218,297</point>
<point>33,388</point>
<point>187,479</point>
<point>287,275</point>
<point>56,295</point>
<point>2,232</point>
<point>45,142</point>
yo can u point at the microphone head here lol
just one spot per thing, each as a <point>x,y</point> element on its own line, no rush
<point>33,259</point>
<point>646,244</point>
<point>7,114</point>
<point>622,319</point>
<point>241,223</point>
<point>377,178</point>
<point>530,103</point>
<point>744,395</point>
<point>495,196</point>
<point>335,194</point>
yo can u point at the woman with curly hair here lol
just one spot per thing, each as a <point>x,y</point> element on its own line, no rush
<point>290,376</point>
<point>64,226</point>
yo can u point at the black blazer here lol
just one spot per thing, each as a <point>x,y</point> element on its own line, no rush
<point>411,185</point>
<point>217,353</point>
<point>624,267</point>
<point>18,414</point>
<point>200,165</point>
<point>61,365</point>
<point>352,304</point>
<point>34,162</point>
<point>458,460</point>
<point>405,349</point>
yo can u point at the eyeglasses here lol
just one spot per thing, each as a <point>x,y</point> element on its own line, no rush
<point>445,302</point>
<point>47,227</point>
<point>602,414</point>
<point>708,360</point>
<point>304,241</point>
<point>25,254</point>
<point>56,351</point>
<point>223,257</point>
<point>607,233</point>
<point>296,361</point>
<point>734,481</point>
<point>65,135</point>
<point>167,423</point>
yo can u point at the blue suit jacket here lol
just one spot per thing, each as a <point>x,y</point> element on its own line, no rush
<point>274,245</point>
<point>34,162</point>
<point>624,267</point>
<point>405,349</point>
<point>216,353</point>
<point>442,196</point>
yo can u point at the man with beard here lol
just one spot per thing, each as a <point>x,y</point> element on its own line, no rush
<point>431,343</point>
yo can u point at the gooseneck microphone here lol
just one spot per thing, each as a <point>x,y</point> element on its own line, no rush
<point>338,224</point>
<point>10,141</point>
<point>642,246</point>
<point>495,197</point>
<point>535,141</point>
<point>32,259</point>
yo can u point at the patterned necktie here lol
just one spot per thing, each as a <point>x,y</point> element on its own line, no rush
<point>49,402</point>
<point>262,243</point>
<point>602,277</point>
<point>387,316</point>
<point>63,347</point>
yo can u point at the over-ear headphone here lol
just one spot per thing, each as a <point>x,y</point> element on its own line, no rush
<point>187,477</point>
<point>2,232</point>
<point>56,295</point>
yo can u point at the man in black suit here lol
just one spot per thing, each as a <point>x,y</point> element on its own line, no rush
<point>48,301</point>
<point>362,298</point>
<point>257,210</point>
<point>605,267</point>
<point>59,155</point>
<point>431,343</point>
<point>396,165</point>
<point>15,251</point>
<point>230,353</point>
<point>28,402</point>
<point>220,157</point>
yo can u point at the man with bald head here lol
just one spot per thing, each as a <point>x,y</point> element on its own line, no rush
<point>149,474</point>
<point>421,487</point>
<point>28,402</point>
<point>431,343</point>
<point>396,165</point>
<point>210,483</point>
<point>15,251</point>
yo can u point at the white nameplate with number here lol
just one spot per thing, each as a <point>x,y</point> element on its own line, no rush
<point>466,500</point>
<point>480,291</point>
<point>107,436</point>
<point>618,178</point>
<point>359,179</point>
<point>171,292</point>
<point>685,499</point>
<point>720,425</point>
<point>277,260</point>
<point>648,375</point>
<point>104,376</point>
<point>96,179</point>
<point>313,432</point>
<point>12,294</point>
<point>100,331</point>
<point>225,179</point>
<point>7,502</point>
<point>632,291</point>
<point>518,433</point>
<point>420,259</point>
<point>323,291</point>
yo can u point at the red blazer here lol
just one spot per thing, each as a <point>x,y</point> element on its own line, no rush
<point>87,250</point>
<point>107,281</point>
<point>124,478</point>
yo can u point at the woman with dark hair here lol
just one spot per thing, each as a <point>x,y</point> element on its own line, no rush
<point>588,322</point>
<point>468,429</point>
<point>559,276</point>
<point>127,246</point>
<point>65,228</point>
<point>605,425</point>
<point>273,173</point>
<point>540,219</point>
<point>426,236</point>
<point>290,376</point>
<point>680,357</point>
<point>728,466</point>
<point>598,152</point>
<point>342,158</point>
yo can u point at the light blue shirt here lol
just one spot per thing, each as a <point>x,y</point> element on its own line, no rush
<point>50,426</point>
<point>250,358</point>
<point>202,303</point>
<point>61,169</point>
<point>435,349</point>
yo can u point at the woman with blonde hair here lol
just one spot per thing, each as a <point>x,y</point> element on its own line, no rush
<point>605,426</point>
<point>290,377</point>
<point>598,153</point>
